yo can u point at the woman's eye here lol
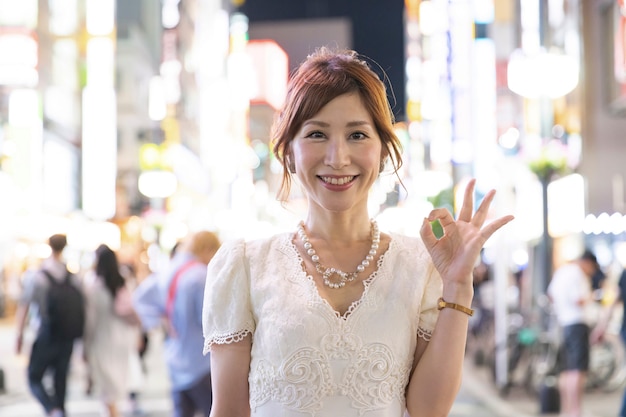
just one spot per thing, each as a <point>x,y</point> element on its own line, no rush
<point>315,135</point>
<point>358,135</point>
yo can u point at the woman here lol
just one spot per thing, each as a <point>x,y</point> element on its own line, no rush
<point>112,332</point>
<point>337,318</point>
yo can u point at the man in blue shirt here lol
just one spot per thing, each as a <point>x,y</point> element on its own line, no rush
<point>173,298</point>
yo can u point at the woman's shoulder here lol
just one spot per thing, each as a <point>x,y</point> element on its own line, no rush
<point>402,242</point>
<point>407,251</point>
<point>247,248</point>
<point>269,241</point>
<point>258,244</point>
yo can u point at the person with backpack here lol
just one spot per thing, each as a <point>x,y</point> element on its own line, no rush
<point>56,296</point>
<point>111,331</point>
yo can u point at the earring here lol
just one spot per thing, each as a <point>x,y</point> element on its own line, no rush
<point>291,167</point>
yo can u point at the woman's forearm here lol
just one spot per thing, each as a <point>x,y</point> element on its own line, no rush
<point>436,380</point>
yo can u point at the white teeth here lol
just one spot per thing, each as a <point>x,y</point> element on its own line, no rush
<point>337,181</point>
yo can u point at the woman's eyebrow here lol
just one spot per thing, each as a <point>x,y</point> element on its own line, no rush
<point>324,124</point>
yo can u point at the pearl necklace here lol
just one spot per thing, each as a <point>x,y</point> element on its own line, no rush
<point>327,273</point>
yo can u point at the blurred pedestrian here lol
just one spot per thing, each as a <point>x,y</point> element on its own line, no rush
<point>151,313</point>
<point>484,297</point>
<point>111,332</point>
<point>51,350</point>
<point>570,294</point>
<point>481,330</point>
<point>600,330</point>
<point>136,365</point>
<point>598,280</point>
<point>174,298</point>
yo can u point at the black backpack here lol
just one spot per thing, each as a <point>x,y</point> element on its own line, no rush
<point>66,308</point>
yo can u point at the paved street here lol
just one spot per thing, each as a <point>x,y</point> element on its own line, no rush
<point>477,382</point>
<point>469,405</point>
<point>18,402</point>
<point>477,398</point>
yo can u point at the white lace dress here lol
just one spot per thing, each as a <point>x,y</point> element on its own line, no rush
<point>307,360</point>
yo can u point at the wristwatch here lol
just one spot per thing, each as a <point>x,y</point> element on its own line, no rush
<point>441,304</point>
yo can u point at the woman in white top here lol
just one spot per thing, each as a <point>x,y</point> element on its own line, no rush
<point>111,331</point>
<point>337,318</point>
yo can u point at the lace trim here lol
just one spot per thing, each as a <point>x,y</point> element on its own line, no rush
<point>224,339</point>
<point>295,269</point>
<point>424,334</point>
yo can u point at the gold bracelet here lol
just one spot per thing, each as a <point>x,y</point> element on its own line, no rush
<point>443,304</point>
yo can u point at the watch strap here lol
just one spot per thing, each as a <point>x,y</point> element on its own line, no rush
<point>441,304</point>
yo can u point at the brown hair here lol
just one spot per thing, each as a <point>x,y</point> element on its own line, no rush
<point>57,243</point>
<point>322,77</point>
<point>203,241</point>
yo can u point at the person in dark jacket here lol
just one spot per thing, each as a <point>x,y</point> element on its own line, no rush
<point>50,351</point>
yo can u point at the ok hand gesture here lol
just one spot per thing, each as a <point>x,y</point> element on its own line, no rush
<point>455,253</point>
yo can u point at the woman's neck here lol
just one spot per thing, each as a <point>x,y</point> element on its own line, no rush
<point>339,228</point>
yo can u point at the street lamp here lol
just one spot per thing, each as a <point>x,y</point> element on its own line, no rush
<point>545,76</point>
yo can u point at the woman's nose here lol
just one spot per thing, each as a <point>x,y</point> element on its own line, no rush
<point>337,154</point>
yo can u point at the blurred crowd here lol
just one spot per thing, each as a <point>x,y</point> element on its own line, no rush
<point>105,314</point>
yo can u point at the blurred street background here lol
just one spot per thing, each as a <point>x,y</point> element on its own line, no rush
<point>135,123</point>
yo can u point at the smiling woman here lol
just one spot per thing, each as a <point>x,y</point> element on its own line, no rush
<point>346,320</point>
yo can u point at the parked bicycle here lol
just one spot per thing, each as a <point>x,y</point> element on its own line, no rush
<point>607,367</point>
<point>533,356</point>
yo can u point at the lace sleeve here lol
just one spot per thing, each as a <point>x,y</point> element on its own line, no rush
<point>226,312</point>
<point>429,311</point>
